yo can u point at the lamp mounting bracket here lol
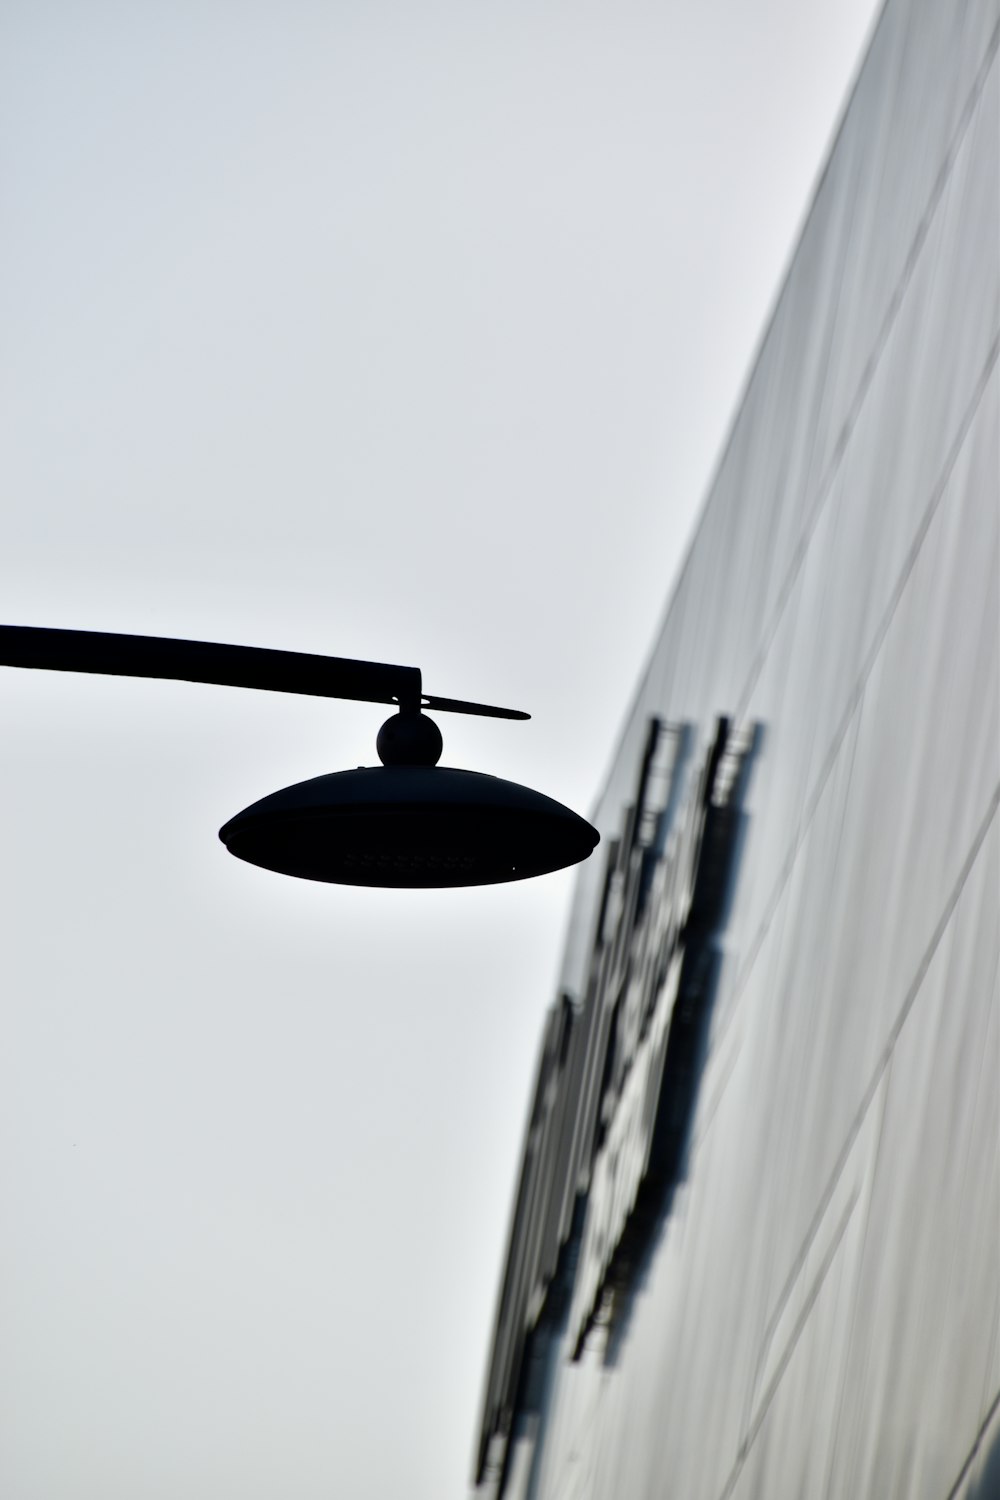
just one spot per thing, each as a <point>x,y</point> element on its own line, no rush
<point>230,666</point>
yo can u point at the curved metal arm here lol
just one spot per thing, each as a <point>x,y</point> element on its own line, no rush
<point>230,666</point>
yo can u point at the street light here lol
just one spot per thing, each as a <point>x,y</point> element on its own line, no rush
<point>406,823</point>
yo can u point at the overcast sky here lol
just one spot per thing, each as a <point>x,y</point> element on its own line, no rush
<point>402,331</point>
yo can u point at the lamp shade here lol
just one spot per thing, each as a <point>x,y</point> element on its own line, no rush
<point>409,826</point>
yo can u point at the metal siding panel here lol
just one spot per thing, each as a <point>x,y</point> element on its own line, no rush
<point>820,1314</point>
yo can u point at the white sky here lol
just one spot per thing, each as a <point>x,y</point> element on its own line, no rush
<point>406,332</point>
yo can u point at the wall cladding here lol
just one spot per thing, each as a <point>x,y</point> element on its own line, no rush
<point>813,1305</point>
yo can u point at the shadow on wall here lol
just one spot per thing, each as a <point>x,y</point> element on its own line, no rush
<point>986,1483</point>
<point>609,1134</point>
<point>670,944</point>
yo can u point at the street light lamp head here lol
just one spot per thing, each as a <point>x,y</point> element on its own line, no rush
<point>409,827</point>
<point>406,823</point>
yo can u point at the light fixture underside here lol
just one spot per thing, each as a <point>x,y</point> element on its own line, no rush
<point>409,827</point>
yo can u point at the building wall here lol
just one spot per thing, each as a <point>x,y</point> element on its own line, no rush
<point>756,1245</point>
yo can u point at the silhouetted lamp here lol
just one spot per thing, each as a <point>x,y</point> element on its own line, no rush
<point>406,823</point>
